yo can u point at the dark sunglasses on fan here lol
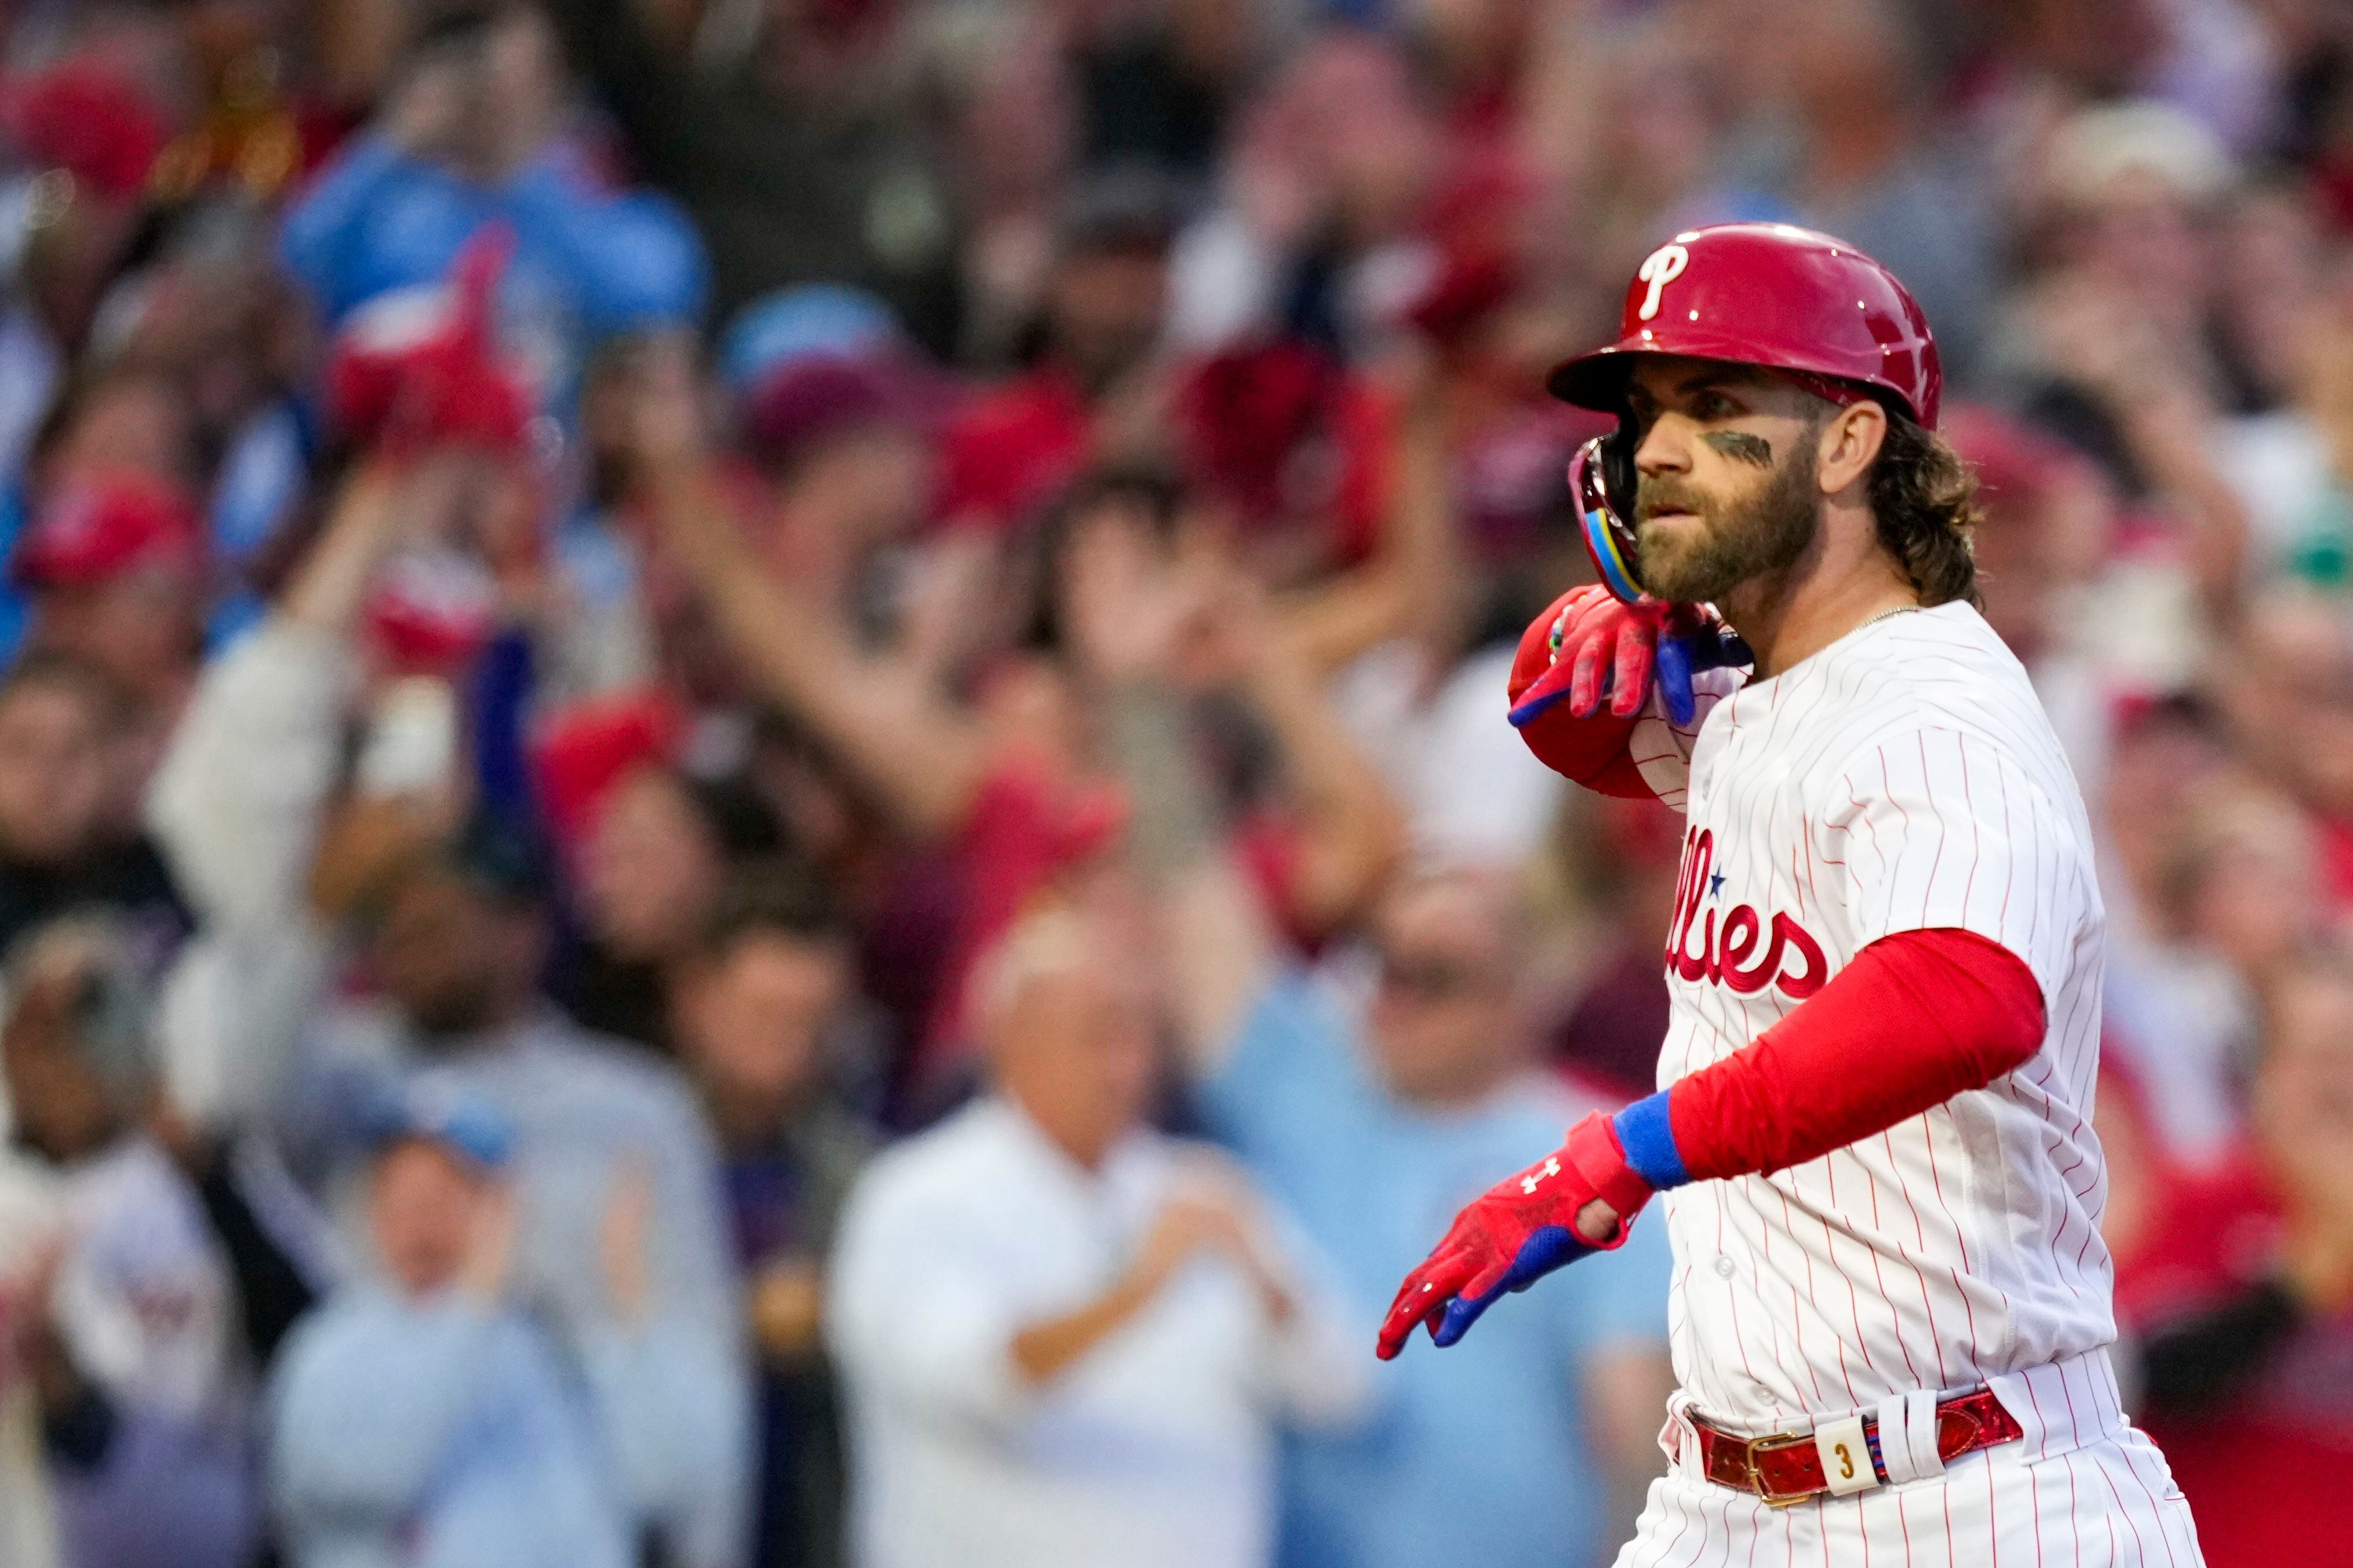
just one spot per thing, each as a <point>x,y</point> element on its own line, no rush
<point>1426,977</point>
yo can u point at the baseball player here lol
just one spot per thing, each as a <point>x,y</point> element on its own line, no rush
<point>1890,1312</point>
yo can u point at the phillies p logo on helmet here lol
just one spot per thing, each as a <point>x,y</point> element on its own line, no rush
<point>1659,268</point>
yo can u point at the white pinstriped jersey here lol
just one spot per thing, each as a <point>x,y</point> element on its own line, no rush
<point>1903,778</point>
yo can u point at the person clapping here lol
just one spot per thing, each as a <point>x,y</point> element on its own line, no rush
<point>423,1416</point>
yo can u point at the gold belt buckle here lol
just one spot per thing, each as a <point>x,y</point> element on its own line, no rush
<point>1774,1445</point>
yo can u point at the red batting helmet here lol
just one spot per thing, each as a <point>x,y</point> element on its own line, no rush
<point>1813,307</point>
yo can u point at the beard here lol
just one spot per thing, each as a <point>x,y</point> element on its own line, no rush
<point>1761,534</point>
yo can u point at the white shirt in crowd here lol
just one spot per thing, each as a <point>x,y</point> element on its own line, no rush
<point>1154,1450</point>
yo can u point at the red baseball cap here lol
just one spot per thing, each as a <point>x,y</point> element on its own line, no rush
<point>592,745</point>
<point>83,116</point>
<point>100,527</point>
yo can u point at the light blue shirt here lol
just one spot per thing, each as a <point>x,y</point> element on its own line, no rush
<point>674,1400</point>
<point>377,220</point>
<point>1474,1455</point>
<point>436,1434</point>
<point>588,264</point>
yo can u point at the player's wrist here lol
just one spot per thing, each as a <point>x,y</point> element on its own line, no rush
<point>1599,1157</point>
<point>1646,1136</point>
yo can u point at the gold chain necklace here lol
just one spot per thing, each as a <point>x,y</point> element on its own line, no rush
<point>1884,614</point>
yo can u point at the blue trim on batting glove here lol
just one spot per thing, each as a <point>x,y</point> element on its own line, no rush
<point>1547,1249</point>
<point>1648,1137</point>
<point>1673,666</point>
<point>1527,714</point>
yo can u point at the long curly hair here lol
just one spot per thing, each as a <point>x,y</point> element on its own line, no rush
<point>1925,500</point>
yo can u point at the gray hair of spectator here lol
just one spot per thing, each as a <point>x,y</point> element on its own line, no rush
<point>1051,940</point>
<point>109,1012</point>
<point>2097,147</point>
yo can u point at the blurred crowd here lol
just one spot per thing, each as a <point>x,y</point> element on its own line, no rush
<point>754,805</point>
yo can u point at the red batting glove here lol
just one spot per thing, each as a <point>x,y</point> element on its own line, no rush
<point>1519,1230</point>
<point>1600,645</point>
<point>1610,648</point>
<point>1588,751</point>
<point>1594,645</point>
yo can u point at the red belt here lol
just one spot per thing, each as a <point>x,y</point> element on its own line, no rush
<point>1786,1467</point>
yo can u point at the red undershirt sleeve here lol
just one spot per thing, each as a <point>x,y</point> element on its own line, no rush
<point>1915,1019</point>
<point>1590,751</point>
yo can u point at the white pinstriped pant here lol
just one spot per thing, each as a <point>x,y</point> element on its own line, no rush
<point>2106,1502</point>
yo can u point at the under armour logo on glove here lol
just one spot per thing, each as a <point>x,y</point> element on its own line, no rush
<point>1521,1229</point>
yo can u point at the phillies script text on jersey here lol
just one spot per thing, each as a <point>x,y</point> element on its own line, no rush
<point>1723,958</point>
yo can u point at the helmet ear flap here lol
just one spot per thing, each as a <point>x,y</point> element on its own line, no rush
<point>1601,482</point>
<point>1618,470</point>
